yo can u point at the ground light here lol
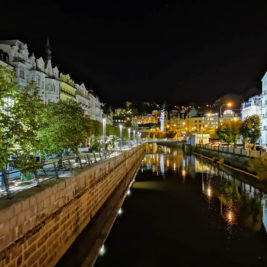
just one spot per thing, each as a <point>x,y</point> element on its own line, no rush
<point>102,250</point>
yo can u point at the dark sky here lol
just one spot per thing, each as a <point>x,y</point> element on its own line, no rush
<point>177,51</point>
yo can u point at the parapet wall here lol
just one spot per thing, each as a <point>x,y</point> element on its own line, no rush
<point>38,227</point>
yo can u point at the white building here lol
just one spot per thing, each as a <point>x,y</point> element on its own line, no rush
<point>28,68</point>
<point>83,98</point>
<point>195,138</point>
<point>252,107</point>
<point>95,111</point>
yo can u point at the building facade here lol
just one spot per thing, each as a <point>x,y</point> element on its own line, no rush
<point>29,69</point>
<point>67,88</point>
<point>252,107</point>
<point>82,98</point>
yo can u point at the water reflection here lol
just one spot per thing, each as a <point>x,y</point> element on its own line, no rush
<point>239,203</point>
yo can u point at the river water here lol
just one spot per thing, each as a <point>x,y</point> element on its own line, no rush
<point>184,211</point>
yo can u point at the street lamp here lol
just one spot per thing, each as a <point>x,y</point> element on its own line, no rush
<point>120,135</point>
<point>129,133</point>
<point>104,132</point>
<point>134,135</point>
<point>229,104</point>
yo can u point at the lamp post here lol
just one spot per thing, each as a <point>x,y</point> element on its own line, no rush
<point>133,135</point>
<point>104,132</point>
<point>120,135</point>
<point>224,104</point>
<point>129,134</point>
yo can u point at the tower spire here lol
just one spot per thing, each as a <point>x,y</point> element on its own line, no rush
<point>48,51</point>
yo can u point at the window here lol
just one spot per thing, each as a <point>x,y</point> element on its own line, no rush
<point>21,74</point>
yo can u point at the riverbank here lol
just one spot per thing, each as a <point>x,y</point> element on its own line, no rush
<point>249,169</point>
<point>39,225</point>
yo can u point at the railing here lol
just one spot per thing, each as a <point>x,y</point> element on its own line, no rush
<point>14,181</point>
<point>235,150</point>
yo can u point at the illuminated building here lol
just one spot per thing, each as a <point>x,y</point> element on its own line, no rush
<point>27,69</point>
<point>211,120</point>
<point>82,98</point>
<point>52,86</point>
<point>143,120</point>
<point>195,123</point>
<point>229,114</point>
<point>251,107</point>
<point>196,138</point>
<point>67,88</point>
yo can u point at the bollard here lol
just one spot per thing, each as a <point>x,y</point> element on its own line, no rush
<point>80,161</point>
<point>6,183</point>
<point>55,168</point>
<point>70,165</point>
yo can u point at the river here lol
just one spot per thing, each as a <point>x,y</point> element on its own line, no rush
<point>184,211</point>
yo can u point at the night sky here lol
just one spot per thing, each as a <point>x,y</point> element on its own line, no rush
<point>178,51</point>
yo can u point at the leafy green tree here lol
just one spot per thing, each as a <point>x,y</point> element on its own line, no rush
<point>229,131</point>
<point>63,127</point>
<point>28,108</point>
<point>250,129</point>
<point>19,109</point>
<point>8,122</point>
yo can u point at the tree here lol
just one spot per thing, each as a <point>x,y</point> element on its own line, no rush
<point>19,109</point>
<point>250,129</point>
<point>28,108</point>
<point>229,131</point>
<point>63,127</point>
<point>8,122</point>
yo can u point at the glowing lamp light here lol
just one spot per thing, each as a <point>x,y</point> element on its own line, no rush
<point>102,250</point>
<point>183,173</point>
<point>209,192</point>
<point>230,217</point>
<point>129,192</point>
<point>120,211</point>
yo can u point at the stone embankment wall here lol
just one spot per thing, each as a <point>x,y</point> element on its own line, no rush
<point>39,227</point>
<point>238,161</point>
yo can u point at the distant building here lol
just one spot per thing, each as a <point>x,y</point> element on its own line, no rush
<point>174,113</point>
<point>143,120</point>
<point>194,123</point>
<point>196,138</point>
<point>211,121</point>
<point>252,107</point>
<point>229,114</point>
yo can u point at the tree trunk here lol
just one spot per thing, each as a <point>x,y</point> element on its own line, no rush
<point>6,182</point>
